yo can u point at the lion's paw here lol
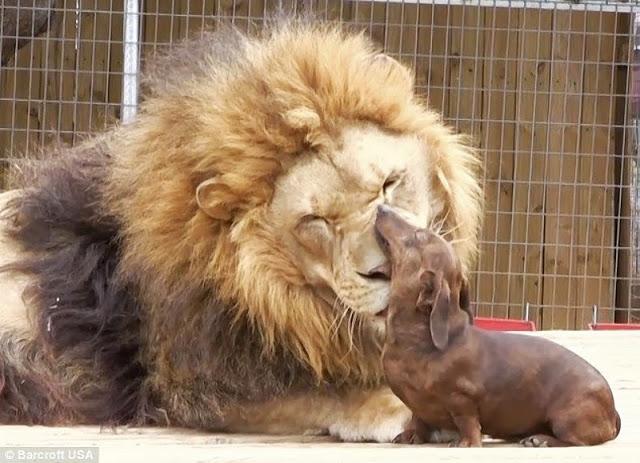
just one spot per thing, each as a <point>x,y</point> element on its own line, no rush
<point>380,418</point>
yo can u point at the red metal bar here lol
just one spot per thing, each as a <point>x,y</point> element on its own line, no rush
<point>504,324</point>
<point>614,326</point>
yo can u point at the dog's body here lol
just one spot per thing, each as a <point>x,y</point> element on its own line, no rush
<point>504,385</point>
<point>459,377</point>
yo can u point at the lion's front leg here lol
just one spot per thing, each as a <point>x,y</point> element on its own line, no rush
<point>362,415</point>
<point>356,416</point>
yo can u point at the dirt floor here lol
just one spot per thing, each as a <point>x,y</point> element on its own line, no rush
<point>616,354</point>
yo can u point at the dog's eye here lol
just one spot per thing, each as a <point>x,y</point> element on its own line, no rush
<point>427,279</point>
<point>428,289</point>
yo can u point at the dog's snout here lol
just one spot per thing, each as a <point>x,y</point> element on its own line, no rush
<point>383,225</point>
<point>385,218</point>
<point>389,217</point>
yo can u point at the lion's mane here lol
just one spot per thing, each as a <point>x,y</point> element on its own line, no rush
<point>143,303</point>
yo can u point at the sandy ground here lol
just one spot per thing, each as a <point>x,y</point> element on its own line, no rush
<point>616,354</point>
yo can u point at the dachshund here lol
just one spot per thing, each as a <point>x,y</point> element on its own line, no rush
<point>458,377</point>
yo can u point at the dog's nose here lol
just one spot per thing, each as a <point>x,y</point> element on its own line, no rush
<point>383,210</point>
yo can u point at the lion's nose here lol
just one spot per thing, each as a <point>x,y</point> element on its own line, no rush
<point>380,272</point>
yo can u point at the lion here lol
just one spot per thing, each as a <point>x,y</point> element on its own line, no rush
<point>213,264</point>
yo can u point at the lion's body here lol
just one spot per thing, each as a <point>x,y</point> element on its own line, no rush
<point>165,279</point>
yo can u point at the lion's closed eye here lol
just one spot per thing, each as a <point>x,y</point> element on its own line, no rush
<point>310,218</point>
<point>313,232</point>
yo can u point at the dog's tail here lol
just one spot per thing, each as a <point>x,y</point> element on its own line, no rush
<point>618,423</point>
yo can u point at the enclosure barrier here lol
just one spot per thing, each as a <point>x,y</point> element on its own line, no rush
<point>547,90</point>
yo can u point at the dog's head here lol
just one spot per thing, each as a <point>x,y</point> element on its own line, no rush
<point>426,275</point>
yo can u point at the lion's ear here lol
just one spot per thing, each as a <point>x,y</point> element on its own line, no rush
<point>213,198</point>
<point>386,60</point>
<point>395,67</point>
<point>302,118</point>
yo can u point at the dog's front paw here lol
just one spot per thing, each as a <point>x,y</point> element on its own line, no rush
<point>539,440</point>
<point>443,436</point>
<point>462,443</point>
<point>408,437</point>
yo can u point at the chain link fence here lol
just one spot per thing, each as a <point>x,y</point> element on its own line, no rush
<point>548,89</point>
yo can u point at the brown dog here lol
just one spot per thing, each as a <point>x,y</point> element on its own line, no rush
<point>455,376</point>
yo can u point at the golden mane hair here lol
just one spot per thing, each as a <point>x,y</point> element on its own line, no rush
<point>243,119</point>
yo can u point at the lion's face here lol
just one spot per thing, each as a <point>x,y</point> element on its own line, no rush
<point>325,209</point>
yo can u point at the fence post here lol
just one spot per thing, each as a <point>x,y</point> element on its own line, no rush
<point>131,66</point>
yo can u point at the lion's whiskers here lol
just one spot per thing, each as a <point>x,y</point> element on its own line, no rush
<point>353,320</point>
<point>437,228</point>
<point>459,240</point>
<point>335,326</point>
<point>440,223</point>
<point>360,327</point>
<point>337,321</point>
<point>350,326</point>
<point>353,329</point>
<point>451,230</point>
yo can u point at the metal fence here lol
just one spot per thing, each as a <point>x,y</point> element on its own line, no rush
<point>548,89</point>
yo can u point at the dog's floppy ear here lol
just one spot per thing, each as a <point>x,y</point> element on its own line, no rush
<point>428,287</point>
<point>439,320</point>
<point>464,299</point>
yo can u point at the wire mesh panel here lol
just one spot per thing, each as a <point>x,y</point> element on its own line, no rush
<point>65,82</point>
<point>548,91</point>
